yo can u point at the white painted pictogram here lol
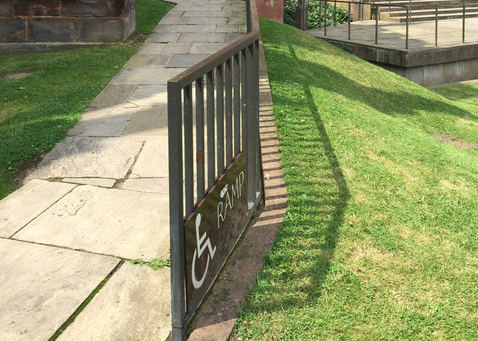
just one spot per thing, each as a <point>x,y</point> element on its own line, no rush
<point>206,243</point>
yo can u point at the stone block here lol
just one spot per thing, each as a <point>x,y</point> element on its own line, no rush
<point>454,72</point>
<point>6,9</point>
<point>12,31</point>
<point>129,25</point>
<point>94,8</point>
<point>416,75</point>
<point>101,30</point>
<point>51,30</point>
<point>433,75</point>
<point>471,69</point>
<point>37,8</point>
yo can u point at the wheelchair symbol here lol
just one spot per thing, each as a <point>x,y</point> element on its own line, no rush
<point>206,243</point>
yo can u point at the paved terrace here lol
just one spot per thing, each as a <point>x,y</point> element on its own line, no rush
<point>100,198</point>
<point>392,34</point>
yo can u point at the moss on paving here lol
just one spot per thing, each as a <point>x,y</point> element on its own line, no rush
<point>380,240</point>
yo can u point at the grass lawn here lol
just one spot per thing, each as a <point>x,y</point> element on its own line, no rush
<point>36,111</point>
<point>380,240</point>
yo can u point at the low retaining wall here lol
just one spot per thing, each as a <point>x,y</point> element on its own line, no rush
<point>66,21</point>
<point>427,67</point>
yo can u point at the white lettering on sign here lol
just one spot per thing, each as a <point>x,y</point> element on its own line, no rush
<point>228,198</point>
<point>206,243</point>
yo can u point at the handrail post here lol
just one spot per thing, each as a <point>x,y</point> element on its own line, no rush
<point>348,22</point>
<point>436,25</point>
<point>176,212</point>
<point>376,24</point>
<point>407,28</point>
<point>463,33</point>
<point>325,19</point>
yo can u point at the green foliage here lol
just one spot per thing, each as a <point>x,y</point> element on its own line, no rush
<point>380,238</point>
<point>155,264</point>
<point>314,13</point>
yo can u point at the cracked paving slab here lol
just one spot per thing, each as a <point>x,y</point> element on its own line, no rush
<point>106,221</point>
<point>140,291</point>
<point>27,203</point>
<point>42,286</point>
<point>94,157</point>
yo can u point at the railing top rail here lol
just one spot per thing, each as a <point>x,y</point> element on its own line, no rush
<point>431,4</point>
<point>190,75</point>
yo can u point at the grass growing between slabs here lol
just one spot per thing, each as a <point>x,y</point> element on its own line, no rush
<point>36,111</point>
<point>380,240</point>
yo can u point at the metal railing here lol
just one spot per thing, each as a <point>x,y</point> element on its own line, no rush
<point>220,96</point>
<point>409,8</point>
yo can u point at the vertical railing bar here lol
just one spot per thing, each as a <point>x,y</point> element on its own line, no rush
<point>243,100</point>
<point>176,214</point>
<point>220,118</point>
<point>348,22</point>
<point>325,19</point>
<point>211,144</point>
<point>237,104</point>
<point>463,33</point>
<point>228,103</point>
<point>407,28</point>
<point>200,179</point>
<point>257,158</point>
<point>250,150</point>
<point>436,25</point>
<point>188,149</point>
<point>376,24</point>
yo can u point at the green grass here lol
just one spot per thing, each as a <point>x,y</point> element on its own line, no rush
<point>380,240</point>
<point>36,111</point>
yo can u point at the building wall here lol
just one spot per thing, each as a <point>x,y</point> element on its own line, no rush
<point>67,21</point>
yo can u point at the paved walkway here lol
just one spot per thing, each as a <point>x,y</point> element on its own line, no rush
<point>100,199</point>
<point>392,34</point>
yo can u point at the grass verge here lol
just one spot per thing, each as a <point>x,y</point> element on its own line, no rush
<point>36,111</point>
<point>380,240</point>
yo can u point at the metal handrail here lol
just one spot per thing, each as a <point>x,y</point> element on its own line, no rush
<point>408,7</point>
<point>230,80</point>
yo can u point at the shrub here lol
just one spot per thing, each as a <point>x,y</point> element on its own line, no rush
<point>313,12</point>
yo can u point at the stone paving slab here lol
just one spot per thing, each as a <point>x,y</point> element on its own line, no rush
<point>149,95</point>
<point>112,95</point>
<point>147,121</point>
<point>207,48</point>
<point>105,221</point>
<point>147,75</point>
<point>24,205</point>
<point>89,157</point>
<point>151,185</point>
<point>133,305</point>
<point>153,160</point>
<point>185,60</point>
<point>170,37</point>
<point>101,182</point>
<point>42,286</point>
<point>106,122</point>
<point>201,38</point>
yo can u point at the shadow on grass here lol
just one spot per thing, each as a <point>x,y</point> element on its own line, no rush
<point>391,103</point>
<point>457,92</point>
<point>299,263</point>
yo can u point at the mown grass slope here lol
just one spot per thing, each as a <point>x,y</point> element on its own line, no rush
<point>380,240</point>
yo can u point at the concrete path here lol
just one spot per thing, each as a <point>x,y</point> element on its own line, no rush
<point>100,199</point>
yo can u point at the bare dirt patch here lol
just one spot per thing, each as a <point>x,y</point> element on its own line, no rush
<point>18,75</point>
<point>24,168</point>
<point>456,142</point>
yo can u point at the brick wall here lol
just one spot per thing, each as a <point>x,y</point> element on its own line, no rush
<point>68,21</point>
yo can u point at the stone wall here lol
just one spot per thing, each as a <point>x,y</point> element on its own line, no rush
<point>66,21</point>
